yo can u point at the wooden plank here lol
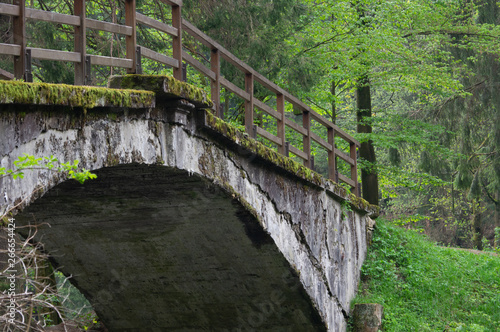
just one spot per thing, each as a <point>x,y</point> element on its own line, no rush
<point>354,167</point>
<point>319,118</point>
<point>332,159</point>
<point>143,19</point>
<point>298,152</point>
<point>130,40</point>
<point>10,10</point>
<point>150,54</point>
<point>19,32</point>
<point>267,135</point>
<point>280,107</point>
<point>347,180</point>
<point>344,156</point>
<point>338,132</point>
<point>268,109</point>
<point>212,44</point>
<point>46,54</point>
<point>249,103</point>
<point>232,59</point>
<point>297,102</point>
<point>306,139</point>
<point>6,75</point>
<point>43,15</point>
<point>215,82</point>
<point>321,141</point>
<point>298,128</point>
<point>109,27</point>
<point>198,65</point>
<point>99,60</point>
<point>233,88</point>
<point>268,84</point>
<point>228,56</point>
<point>10,49</point>
<point>177,40</point>
<point>80,43</point>
<point>200,36</point>
<point>173,2</point>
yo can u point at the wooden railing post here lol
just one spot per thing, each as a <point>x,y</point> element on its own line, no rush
<point>332,167</point>
<point>19,32</point>
<point>80,41</point>
<point>306,142</point>
<point>354,168</point>
<point>215,84</point>
<point>177,41</point>
<point>280,106</point>
<point>131,41</point>
<point>249,104</point>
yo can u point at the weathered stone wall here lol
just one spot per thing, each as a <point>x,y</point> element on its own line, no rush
<point>321,235</point>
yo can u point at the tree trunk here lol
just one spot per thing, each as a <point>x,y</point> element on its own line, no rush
<point>477,235</point>
<point>497,220</point>
<point>369,177</point>
<point>334,106</point>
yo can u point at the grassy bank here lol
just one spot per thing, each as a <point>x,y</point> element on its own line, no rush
<point>424,287</point>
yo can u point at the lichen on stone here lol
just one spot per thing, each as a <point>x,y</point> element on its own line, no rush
<point>15,92</point>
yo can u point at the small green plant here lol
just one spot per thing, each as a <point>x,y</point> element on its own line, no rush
<point>29,162</point>
<point>37,301</point>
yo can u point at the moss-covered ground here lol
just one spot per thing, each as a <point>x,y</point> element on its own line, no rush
<point>424,287</point>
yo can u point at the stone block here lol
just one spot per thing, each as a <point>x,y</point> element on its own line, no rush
<point>368,317</point>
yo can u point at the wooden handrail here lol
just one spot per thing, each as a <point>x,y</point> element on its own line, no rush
<point>179,25</point>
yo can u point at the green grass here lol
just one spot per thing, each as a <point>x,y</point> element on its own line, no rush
<point>424,287</point>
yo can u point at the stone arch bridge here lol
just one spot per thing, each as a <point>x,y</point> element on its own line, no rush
<point>190,225</point>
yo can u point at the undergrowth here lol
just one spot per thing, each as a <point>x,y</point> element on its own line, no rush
<point>424,287</point>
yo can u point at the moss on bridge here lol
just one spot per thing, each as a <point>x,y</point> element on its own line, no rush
<point>15,92</point>
<point>164,87</point>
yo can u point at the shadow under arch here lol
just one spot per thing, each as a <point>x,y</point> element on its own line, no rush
<point>155,248</point>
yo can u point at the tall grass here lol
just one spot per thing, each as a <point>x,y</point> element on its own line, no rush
<point>424,287</point>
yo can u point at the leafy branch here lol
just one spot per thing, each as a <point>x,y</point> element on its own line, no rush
<point>52,164</point>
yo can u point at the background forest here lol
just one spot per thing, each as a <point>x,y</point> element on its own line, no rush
<point>416,82</point>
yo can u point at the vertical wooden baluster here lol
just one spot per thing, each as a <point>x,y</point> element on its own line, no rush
<point>177,41</point>
<point>280,107</point>
<point>249,104</point>
<point>80,40</point>
<point>215,84</point>
<point>306,123</point>
<point>331,154</point>
<point>354,168</point>
<point>131,41</point>
<point>19,32</point>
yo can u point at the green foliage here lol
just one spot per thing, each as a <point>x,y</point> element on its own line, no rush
<point>52,164</point>
<point>428,288</point>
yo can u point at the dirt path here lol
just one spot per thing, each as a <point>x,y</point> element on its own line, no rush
<point>477,252</point>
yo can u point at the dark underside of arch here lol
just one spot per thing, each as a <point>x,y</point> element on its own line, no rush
<point>157,249</point>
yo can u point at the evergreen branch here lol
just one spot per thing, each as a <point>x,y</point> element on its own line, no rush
<point>496,202</point>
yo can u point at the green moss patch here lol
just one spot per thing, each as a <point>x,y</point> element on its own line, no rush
<point>14,92</point>
<point>164,87</point>
<point>290,165</point>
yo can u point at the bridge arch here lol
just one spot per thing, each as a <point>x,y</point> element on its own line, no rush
<point>157,248</point>
<point>317,227</point>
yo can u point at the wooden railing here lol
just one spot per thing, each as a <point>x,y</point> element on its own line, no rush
<point>83,62</point>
